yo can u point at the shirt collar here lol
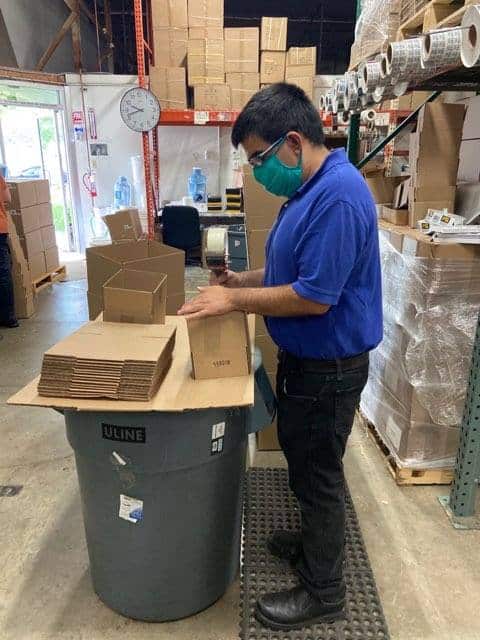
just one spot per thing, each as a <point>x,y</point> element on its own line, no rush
<point>334,158</point>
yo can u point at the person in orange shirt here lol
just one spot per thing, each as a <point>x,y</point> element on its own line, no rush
<point>7,302</point>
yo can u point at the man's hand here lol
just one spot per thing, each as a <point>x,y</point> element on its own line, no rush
<point>229,279</point>
<point>212,301</point>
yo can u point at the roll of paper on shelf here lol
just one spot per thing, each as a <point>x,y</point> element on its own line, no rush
<point>470,51</point>
<point>442,49</point>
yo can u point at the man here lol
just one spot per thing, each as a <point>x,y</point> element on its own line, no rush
<point>320,294</point>
<point>7,305</point>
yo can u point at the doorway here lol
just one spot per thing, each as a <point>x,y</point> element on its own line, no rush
<point>33,146</point>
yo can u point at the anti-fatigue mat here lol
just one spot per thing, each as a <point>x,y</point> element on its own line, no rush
<point>270,505</point>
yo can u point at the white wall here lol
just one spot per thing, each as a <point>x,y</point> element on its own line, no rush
<point>102,92</point>
<point>31,25</point>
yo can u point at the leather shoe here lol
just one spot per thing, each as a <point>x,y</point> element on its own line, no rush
<point>286,545</point>
<point>297,608</point>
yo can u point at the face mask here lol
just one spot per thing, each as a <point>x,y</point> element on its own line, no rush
<point>278,178</point>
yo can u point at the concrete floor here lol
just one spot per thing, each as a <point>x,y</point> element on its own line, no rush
<point>427,573</point>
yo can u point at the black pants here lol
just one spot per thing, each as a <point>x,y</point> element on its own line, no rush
<point>7,304</point>
<point>316,408</point>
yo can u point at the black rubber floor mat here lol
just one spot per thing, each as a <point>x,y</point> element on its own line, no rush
<point>270,505</point>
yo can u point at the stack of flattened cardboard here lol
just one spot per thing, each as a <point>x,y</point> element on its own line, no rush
<point>261,210</point>
<point>31,213</point>
<point>433,158</point>
<point>108,360</point>
<point>273,46</point>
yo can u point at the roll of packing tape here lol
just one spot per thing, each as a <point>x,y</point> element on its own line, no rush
<point>351,99</point>
<point>384,73</point>
<point>216,242</point>
<point>404,58</point>
<point>442,49</point>
<point>361,77</point>
<point>470,47</point>
<point>400,88</point>
<point>367,116</point>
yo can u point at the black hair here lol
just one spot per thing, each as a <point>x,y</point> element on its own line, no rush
<point>274,111</point>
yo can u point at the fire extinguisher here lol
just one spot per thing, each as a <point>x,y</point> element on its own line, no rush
<point>90,183</point>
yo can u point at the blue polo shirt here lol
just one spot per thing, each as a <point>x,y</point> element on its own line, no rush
<point>325,244</point>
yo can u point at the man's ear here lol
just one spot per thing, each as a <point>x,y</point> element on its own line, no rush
<point>294,141</point>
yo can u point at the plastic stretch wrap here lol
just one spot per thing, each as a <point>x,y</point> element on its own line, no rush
<point>419,373</point>
<point>378,24</point>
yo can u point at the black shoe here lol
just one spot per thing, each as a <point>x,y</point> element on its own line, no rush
<point>10,324</point>
<point>295,609</point>
<point>286,545</point>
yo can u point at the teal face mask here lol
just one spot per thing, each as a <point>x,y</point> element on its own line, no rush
<point>278,178</point>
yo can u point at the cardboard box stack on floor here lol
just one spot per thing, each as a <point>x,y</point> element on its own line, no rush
<point>419,373</point>
<point>31,213</point>
<point>261,210</point>
<point>105,261</point>
<point>433,159</point>
<point>22,278</point>
<point>170,37</point>
<point>301,68</point>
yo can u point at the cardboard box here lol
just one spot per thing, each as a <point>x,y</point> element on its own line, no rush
<point>256,241</point>
<point>267,439</point>
<point>206,62</point>
<point>441,116</point>
<point>26,220</point>
<point>32,243</point>
<point>124,225</point>
<point>242,49</point>
<point>170,46</point>
<point>305,82</point>
<point>395,216</point>
<point>400,195</point>
<point>469,161</point>
<point>169,13</point>
<point>205,13</point>
<point>274,34</point>
<point>37,266</point>
<point>243,86</point>
<point>220,346</point>
<point>95,305</point>
<point>105,261</point>
<point>471,125</point>
<point>45,215</point>
<point>52,261</point>
<point>49,238</point>
<point>437,192</point>
<point>261,207</point>
<point>382,187</point>
<point>169,84</point>
<point>174,303</point>
<point>212,96</point>
<point>206,33</point>
<point>272,66</point>
<point>301,57</point>
<point>24,303</point>
<point>139,297</point>
<point>27,193</point>
<point>269,352</point>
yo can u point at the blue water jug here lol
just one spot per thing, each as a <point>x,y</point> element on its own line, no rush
<point>122,193</point>
<point>197,185</point>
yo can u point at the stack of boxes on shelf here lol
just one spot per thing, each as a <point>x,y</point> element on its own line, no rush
<point>22,279</point>
<point>224,67</point>
<point>31,212</point>
<point>261,210</point>
<point>273,47</point>
<point>433,160</point>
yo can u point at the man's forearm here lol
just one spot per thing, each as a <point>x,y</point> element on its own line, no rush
<point>275,301</point>
<point>251,278</point>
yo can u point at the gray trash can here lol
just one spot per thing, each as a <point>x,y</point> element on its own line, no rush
<point>162,503</point>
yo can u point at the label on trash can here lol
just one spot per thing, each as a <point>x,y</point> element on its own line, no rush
<point>131,509</point>
<point>218,432</point>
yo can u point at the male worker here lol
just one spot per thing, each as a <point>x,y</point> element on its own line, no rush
<point>320,293</point>
<point>7,306</point>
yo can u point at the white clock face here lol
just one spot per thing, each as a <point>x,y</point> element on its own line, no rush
<point>140,109</point>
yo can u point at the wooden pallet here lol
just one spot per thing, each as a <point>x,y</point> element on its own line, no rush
<point>434,15</point>
<point>58,275</point>
<point>402,475</point>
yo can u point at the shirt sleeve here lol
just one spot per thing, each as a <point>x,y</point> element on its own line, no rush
<point>327,253</point>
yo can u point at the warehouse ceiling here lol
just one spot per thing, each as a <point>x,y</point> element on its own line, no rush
<point>327,24</point>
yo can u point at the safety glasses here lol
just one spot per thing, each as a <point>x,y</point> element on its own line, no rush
<point>258,158</point>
